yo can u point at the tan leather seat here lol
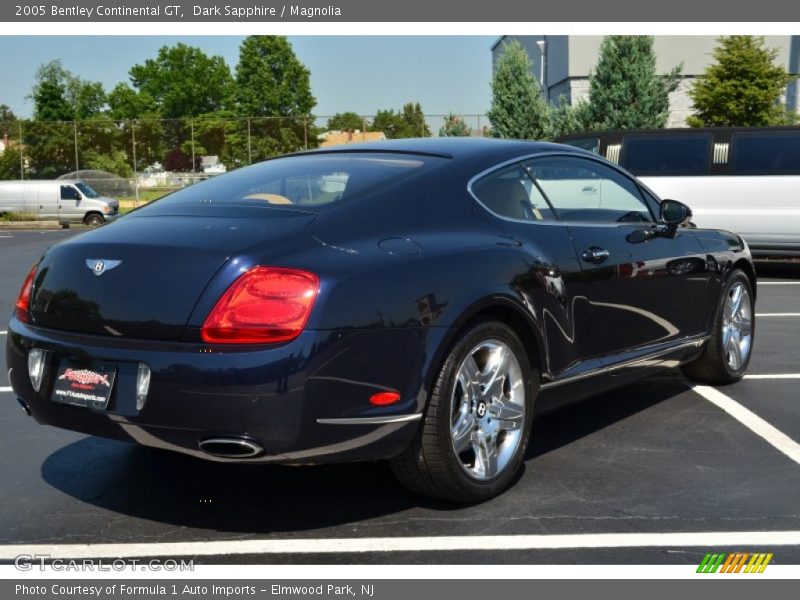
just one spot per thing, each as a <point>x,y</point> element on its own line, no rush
<point>506,197</point>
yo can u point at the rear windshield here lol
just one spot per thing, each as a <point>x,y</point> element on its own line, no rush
<point>310,182</point>
<point>666,154</point>
<point>768,153</point>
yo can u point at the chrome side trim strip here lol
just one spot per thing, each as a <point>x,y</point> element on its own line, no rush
<point>371,420</point>
<point>695,343</point>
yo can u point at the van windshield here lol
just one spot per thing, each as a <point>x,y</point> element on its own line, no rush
<point>86,190</point>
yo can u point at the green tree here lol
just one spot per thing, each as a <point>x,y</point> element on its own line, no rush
<point>59,95</point>
<point>347,121</point>
<point>566,118</point>
<point>390,123</point>
<point>50,93</point>
<point>271,82</point>
<point>454,126</point>
<point>184,81</point>
<point>519,109</point>
<point>124,102</point>
<point>8,122</point>
<point>415,121</point>
<point>408,122</point>
<point>742,88</point>
<point>624,89</point>
<point>9,164</point>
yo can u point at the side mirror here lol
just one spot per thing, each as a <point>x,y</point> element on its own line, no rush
<point>674,213</point>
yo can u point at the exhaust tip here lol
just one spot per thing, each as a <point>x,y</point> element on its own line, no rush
<point>231,447</point>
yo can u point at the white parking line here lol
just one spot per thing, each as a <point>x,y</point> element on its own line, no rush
<point>3,332</point>
<point>775,376</point>
<point>762,315</point>
<point>705,539</point>
<point>760,283</point>
<point>5,389</point>
<point>752,421</point>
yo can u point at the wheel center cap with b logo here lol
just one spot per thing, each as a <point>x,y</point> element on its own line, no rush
<point>480,410</point>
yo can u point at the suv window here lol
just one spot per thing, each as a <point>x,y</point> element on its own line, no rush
<point>667,154</point>
<point>511,193</point>
<point>584,190</point>
<point>766,153</point>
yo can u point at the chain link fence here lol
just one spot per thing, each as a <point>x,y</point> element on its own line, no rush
<point>138,160</point>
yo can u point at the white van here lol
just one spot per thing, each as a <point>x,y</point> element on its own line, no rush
<point>68,201</point>
<point>745,180</point>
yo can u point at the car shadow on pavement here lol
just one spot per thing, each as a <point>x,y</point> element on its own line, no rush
<point>170,488</point>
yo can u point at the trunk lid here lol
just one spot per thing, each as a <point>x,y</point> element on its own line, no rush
<point>142,276</point>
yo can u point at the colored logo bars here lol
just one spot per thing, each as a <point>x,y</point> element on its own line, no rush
<point>734,562</point>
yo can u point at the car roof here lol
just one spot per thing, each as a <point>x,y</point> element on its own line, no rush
<point>490,149</point>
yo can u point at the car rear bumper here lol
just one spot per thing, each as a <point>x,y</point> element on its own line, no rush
<point>302,402</point>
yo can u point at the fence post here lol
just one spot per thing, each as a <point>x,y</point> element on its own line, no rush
<point>191,124</point>
<point>75,132</point>
<point>21,157</point>
<point>249,144</point>
<point>135,174</point>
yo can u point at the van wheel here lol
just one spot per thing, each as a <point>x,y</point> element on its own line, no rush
<point>93,220</point>
<point>471,444</point>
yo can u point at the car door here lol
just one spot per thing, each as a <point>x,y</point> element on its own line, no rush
<point>549,277</point>
<point>69,200</point>
<point>642,290</point>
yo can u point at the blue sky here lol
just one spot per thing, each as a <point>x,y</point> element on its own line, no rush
<point>362,74</point>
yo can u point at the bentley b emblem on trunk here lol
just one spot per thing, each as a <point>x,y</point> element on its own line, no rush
<point>101,265</point>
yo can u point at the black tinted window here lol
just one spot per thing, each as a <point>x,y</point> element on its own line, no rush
<point>69,193</point>
<point>667,154</point>
<point>766,153</point>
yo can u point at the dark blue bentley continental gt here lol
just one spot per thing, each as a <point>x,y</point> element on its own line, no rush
<point>416,301</point>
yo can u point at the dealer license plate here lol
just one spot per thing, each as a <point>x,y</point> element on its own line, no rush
<point>84,386</point>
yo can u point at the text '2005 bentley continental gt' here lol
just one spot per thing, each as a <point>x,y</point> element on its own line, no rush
<point>416,301</point>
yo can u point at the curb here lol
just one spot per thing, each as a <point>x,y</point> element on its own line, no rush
<point>21,225</point>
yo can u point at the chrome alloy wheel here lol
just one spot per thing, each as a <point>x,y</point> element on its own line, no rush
<point>487,409</point>
<point>737,326</point>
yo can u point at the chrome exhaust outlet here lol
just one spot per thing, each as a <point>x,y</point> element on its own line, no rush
<point>24,406</point>
<point>230,447</point>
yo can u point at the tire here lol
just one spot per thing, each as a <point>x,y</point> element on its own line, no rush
<point>94,220</point>
<point>484,465</point>
<point>721,363</point>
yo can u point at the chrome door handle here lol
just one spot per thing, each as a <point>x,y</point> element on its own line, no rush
<point>595,255</point>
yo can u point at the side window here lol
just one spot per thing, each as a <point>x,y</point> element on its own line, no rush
<point>69,193</point>
<point>510,193</point>
<point>768,153</point>
<point>590,144</point>
<point>584,190</point>
<point>666,154</point>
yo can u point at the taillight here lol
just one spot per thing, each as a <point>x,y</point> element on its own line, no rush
<point>265,305</point>
<point>22,307</point>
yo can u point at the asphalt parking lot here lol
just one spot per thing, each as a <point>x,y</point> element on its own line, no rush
<point>652,473</point>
